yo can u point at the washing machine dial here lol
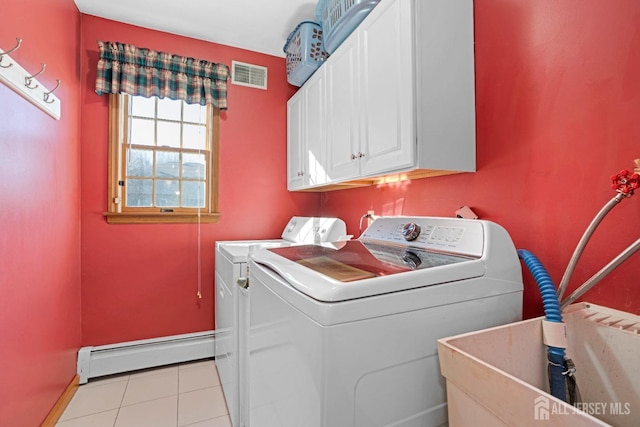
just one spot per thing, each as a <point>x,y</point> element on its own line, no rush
<point>411,231</point>
<point>411,259</point>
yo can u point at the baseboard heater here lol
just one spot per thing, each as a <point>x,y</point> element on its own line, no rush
<point>133,355</point>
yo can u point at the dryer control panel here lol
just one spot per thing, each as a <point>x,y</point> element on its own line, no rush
<point>310,230</point>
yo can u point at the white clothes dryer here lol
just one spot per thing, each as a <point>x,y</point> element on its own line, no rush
<point>345,334</point>
<point>232,299</point>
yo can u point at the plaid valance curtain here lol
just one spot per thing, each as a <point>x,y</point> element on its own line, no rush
<point>124,68</point>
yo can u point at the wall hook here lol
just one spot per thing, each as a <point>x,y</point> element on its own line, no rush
<point>46,94</point>
<point>16,78</point>
<point>19,40</point>
<point>29,79</point>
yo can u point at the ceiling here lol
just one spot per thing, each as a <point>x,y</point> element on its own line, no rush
<point>257,25</point>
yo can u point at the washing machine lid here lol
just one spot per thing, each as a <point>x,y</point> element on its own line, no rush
<point>355,269</point>
<point>354,260</point>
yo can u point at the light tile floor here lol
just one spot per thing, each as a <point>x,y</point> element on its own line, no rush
<point>188,394</point>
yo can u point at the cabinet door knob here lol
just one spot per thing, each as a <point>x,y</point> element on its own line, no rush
<point>361,155</point>
<point>353,157</point>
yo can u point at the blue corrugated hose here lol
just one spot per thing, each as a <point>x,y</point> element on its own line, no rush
<point>553,313</point>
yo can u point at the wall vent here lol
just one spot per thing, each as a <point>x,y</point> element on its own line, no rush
<point>248,75</point>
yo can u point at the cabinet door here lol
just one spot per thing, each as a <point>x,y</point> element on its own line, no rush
<point>295,142</point>
<point>386,82</point>
<point>314,153</point>
<point>343,136</point>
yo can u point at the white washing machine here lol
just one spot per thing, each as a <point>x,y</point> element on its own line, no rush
<point>232,299</point>
<point>345,334</point>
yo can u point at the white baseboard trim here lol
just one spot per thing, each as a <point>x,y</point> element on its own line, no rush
<point>133,355</point>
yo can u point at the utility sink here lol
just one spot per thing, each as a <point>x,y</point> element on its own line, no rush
<point>498,376</point>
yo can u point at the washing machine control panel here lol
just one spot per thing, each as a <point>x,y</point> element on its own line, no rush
<point>455,235</point>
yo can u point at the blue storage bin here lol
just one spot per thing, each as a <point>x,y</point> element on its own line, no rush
<point>340,17</point>
<point>305,52</point>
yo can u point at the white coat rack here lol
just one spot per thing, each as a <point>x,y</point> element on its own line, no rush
<point>26,85</point>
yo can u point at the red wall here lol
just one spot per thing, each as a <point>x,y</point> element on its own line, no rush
<point>557,108</point>
<point>558,101</point>
<point>40,215</point>
<point>140,281</point>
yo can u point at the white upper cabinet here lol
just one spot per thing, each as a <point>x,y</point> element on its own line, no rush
<point>386,90</point>
<point>315,130</point>
<point>306,144</point>
<point>398,99</point>
<point>343,126</point>
<point>295,142</point>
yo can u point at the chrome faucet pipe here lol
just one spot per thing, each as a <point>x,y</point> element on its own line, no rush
<point>622,257</point>
<point>577,253</point>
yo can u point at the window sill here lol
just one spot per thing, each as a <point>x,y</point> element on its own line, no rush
<point>161,218</point>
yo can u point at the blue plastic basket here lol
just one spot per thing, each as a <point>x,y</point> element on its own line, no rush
<point>305,52</point>
<point>340,17</point>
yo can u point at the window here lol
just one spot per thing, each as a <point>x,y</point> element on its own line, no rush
<point>162,161</point>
